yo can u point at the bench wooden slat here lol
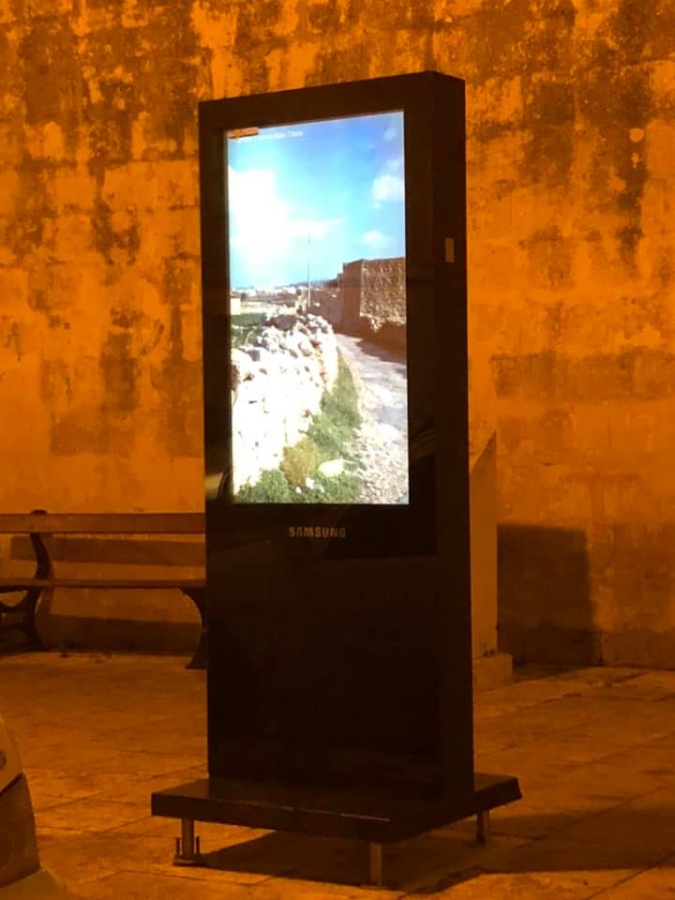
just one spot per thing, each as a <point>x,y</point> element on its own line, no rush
<point>103,523</point>
<point>41,525</point>
<point>23,583</point>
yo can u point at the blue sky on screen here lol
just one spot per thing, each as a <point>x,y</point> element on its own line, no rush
<point>314,196</point>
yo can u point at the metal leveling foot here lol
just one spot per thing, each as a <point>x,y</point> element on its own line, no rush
<point>187,846</point>
<point>483,826</point>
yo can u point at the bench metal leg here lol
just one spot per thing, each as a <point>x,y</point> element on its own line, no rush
<point>198,661</point>
<point>188,852</point>
<point>32,599</point>
<point>375,852</point>
<point>198,597</point>
<point>483,826</point>
<point>21,617</point>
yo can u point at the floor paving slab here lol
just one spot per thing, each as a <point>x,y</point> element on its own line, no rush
<point>643,826</point>
<point>89,815</point>
<point>145,886</point>
<point>213,835</point>
<point>536,686</point>
<point>655,757</point>
<point>78,857</point>
<point>657,883</point>
<point>75,784</point>
<point>138,788</point>
<point>314,859</point>
<point>524,886</point>
<point>568,754</point>
<point>282,888</point>
<point>593,749</point>
<point>430,859</point>
<point>566,853</point>
<point>647,685</point>
<point>139,762</point>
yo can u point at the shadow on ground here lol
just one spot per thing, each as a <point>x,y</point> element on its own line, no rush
<point>382,351</point>
<point>618,839</point>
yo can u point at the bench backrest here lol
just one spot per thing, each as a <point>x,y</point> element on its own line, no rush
<point>102,523</point>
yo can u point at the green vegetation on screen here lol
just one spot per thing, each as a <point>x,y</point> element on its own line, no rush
<point>328,438</point>
<point>245,327</point>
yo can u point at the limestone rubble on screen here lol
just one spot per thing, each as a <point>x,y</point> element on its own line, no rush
<point>278,382</point>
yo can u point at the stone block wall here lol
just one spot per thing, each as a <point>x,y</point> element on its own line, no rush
<point>383,292</point>
<point>349,286</point>
<point>372,296</point>
<point>327,302</point>
<point>570,129</point>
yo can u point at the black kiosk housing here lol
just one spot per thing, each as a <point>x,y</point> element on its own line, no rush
<point>339,635</point>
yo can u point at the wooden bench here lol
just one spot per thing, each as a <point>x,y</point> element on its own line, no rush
<point>39,526</point>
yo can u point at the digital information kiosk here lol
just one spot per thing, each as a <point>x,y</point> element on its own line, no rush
<point>336,411</point>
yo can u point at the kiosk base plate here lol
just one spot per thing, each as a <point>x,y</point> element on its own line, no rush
<point>375,816</point>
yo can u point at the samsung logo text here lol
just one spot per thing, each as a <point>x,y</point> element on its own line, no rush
<point>316,531</point>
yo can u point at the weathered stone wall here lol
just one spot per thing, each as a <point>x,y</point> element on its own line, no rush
<point>571,123</point>
<point>371,296</point>
<point>349,283</point>
<point>327,302</point>
<point>383,301</point>
<point>279,380</point>
<point>100,373</point>
<point>383,292</point>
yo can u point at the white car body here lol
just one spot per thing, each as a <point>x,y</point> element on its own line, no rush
<point>10,762</point>
<point>21,875</point>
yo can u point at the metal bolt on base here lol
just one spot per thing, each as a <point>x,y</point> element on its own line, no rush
<point>188,851</point>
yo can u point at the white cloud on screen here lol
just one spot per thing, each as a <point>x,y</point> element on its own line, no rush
<point>377,241</point>
<point>316,229</point>
<point>391,133</point>
<point>256,209</point>
<point>263,224</point>
<point>388,186</point>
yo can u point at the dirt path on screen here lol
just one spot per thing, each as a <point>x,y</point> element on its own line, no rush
<point>382,443</point>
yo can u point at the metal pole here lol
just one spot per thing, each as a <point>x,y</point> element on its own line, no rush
<point>309,283</point>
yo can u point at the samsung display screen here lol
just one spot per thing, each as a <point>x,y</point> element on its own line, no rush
<point>317,282</point>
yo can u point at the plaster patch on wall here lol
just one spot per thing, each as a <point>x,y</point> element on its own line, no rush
<point>617,99</point>
<point>178,378</point>
<point>48,51</point>
<point>632,374</point>
<point>115,235</point>
<point>550,257</point>
<point>120,372</point>
<point>10,337</point>
<point>33,209</point>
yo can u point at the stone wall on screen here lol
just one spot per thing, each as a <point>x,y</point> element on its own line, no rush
<point>279,380</point>
<point>371,300</point>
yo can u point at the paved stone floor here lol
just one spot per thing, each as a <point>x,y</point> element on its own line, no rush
<point>594,749</point>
